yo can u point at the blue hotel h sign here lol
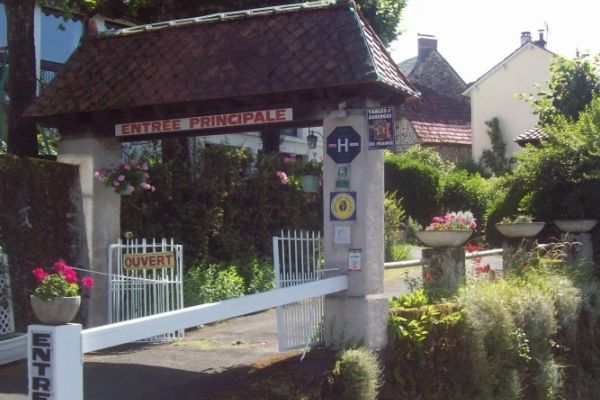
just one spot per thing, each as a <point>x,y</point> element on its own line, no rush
<point>343,144</point>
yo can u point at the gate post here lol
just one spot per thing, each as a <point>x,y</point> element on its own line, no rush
<point>359,314</point>
<point>55,362</point>
<point>99,212</point>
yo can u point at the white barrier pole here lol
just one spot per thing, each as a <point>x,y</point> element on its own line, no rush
<point>55,362</point>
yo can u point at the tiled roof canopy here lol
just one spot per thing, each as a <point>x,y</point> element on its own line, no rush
<point>437,118</point>
<point>534,136</point>
<point>277,50</point>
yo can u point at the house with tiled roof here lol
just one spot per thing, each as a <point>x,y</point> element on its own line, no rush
<point>495,94</point>
<point>440,117</point>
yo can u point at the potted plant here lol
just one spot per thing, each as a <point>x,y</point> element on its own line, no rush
<point>519,226</point>
<point>125,178</point>
<point>56,298</point>
<point>450,230</point>
<point>310,173</point>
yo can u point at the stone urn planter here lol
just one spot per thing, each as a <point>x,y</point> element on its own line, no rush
<point>55,311</point>
<point>520,229</point>
<point>575,225</point>
<point>450,238</point>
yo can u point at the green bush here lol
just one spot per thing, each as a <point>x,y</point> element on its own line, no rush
<point>217,206</point>
<point>508,194</point>
<point>210,283</point>
<point>417,183</point>
<point>465,191</point>
<point>392,228</point>
<point>562,177</point>
<point>357,375</point>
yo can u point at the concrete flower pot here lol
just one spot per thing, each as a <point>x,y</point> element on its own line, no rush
<point>444,238</point>
<point>575,225</point>
<point>57,311</point>
<point>520,229</point>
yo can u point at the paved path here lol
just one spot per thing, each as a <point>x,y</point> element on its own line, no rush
<point>208,357</point>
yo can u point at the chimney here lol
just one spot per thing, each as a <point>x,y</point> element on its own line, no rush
<point>525,37</point>
<point>540,42</point>
<point>426,44</point>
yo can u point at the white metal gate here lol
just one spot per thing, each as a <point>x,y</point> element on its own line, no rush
<point>140,292</point>
<point>297,259</point>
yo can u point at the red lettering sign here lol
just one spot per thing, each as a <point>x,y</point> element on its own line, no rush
<point>204,122</point>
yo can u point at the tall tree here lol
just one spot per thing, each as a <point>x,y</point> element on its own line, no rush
<point>21,84</point>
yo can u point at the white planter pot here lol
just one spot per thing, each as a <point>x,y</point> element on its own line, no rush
<point>520,229</point>
<point>575,225</point>
<point>57,311</point>
<point>444,238</point>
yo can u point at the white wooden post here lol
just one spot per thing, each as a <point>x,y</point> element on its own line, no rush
<point>55,362</point>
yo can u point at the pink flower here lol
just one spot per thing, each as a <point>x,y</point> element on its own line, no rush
<point>282,177</point>
<point>145,186</point>
<point>88,282</point>
<point>121,178</point>
<point>39,274</point>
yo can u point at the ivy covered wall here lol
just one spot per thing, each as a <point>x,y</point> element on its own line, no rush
<point>38,221</point>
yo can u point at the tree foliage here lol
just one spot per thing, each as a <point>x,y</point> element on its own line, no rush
<point>562,177</point>
<point>572,85</point>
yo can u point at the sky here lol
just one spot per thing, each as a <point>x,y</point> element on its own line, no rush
<point>475,35</point>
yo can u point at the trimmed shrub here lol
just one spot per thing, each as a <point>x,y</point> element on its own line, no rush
<point>38,222</point>
<point>465,191</point>
<point>357,375</point>
<point>209,283</point>
<point>393,231</point>
<point>418,184</point>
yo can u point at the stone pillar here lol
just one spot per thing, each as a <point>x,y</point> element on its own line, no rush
<point>358,315</point>
<point>582,250</point>
<point>99,214</point>
<point>515,250</point>
<point>443,268</point>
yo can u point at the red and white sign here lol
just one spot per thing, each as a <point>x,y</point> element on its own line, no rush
<point>204,122</point>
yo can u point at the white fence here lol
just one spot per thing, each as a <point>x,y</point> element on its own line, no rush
<point>297,259</point>
<point>60,348</point>
<point>140,292</point>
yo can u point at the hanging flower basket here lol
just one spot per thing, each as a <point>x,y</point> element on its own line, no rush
<point>309,183</point>
<point>125,178</point>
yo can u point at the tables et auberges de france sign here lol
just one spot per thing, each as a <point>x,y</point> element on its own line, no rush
<point>380,127</point>
<point>204,122</point>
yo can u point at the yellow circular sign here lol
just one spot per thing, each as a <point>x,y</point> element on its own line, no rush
<point>343,206</point>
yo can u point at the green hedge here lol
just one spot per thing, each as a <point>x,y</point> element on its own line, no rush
<point>418,184</point>
<point>37,221</point>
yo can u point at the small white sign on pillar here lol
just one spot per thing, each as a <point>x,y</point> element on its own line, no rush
<point>341,234</point>
<point>354,259</point>
<point>55,362</point>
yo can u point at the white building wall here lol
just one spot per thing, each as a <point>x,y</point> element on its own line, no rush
<point>496,96</point>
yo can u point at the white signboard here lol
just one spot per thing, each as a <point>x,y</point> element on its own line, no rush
<point>204,122</point>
